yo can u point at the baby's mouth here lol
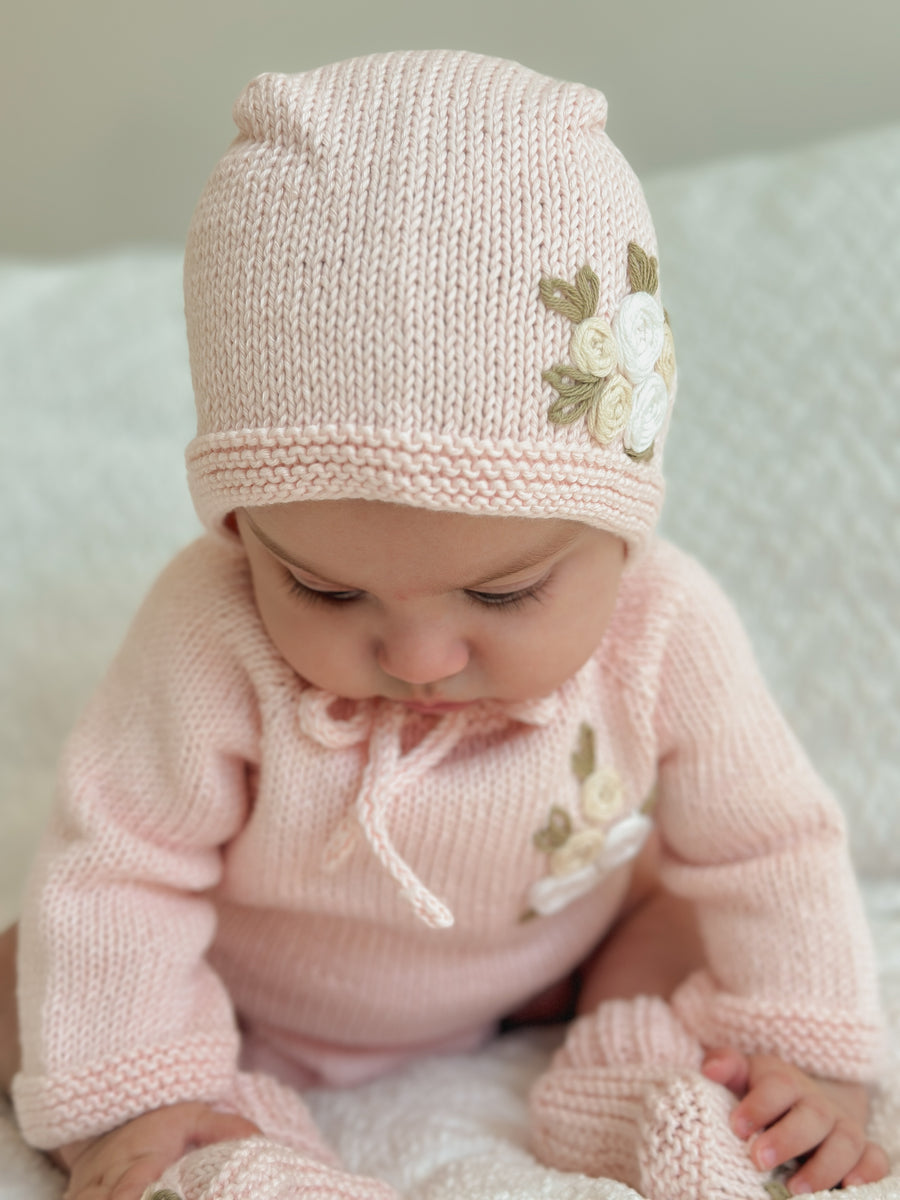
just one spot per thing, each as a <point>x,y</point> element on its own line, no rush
<point>436,706</point>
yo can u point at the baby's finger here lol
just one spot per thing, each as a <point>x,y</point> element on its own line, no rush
<point>727,1066</point>
<point>766,1101</point>
<point>837,1156</point>
<point>872,1166</point>
<point>801,1131</point>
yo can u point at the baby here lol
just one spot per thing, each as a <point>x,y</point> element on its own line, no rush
<point>430,729</point>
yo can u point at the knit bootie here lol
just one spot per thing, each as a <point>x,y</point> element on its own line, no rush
<point>291,1161</point>
<point>625,1098</point>
<point>258,1169</point>
<point>280,1113</point>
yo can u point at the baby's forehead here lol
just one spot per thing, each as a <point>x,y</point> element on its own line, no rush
<point>368,537</point>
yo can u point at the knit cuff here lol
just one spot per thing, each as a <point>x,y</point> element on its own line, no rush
<point>642,1031</point>
<point>54,1110</point>
<point>832,1045</point>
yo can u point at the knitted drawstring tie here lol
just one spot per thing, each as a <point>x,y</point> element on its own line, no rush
<point>389,772</point>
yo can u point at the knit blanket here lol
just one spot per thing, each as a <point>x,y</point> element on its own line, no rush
<point>780,276</point>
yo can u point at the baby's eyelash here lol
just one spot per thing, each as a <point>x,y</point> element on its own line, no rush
<point>505,600</point>
<point>508,600</point>
<point>296,588</point>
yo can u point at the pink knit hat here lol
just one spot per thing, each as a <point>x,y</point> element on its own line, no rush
<point>427,278</point>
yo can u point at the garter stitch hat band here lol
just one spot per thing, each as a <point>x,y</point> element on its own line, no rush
<point>362,292</point>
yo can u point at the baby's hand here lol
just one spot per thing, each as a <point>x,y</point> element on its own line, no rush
<point>121,1164</point>
<point>794,1115</point>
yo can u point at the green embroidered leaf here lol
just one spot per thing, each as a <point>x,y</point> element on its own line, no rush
<point>563,298</point>
<point>643,270</point>
<point>565,374</point>
<point>577,392</point>
<point>576,302</point>
<point>583,759</point>
<point>556,832</point>
<point>587,286</point>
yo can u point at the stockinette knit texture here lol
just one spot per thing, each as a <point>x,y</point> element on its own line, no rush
<point>203,791</point>
<point>382,280</point>
<point>362,291</point>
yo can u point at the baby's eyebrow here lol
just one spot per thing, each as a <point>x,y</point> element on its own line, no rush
<point>530,558</point>
<point>281,553</point>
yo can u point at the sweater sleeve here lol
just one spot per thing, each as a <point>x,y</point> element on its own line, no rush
<point>752,836</point>
<point>120,1012</point>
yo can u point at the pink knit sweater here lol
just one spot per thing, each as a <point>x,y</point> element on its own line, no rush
<point>244,871</point>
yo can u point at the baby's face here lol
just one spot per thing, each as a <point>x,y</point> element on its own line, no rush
<point>433,609</point>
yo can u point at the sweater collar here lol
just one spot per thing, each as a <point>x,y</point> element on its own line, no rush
<point>390,769</point>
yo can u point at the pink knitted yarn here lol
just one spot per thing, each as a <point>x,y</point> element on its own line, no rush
<point>362,292</point>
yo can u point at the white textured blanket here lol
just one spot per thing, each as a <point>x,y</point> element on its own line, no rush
<point>443,1129</point>
<point>780,275</point>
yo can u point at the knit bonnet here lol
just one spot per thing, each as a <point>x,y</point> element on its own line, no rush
<point>427,278</point>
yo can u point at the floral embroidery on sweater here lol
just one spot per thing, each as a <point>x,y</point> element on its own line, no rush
<point>579,858</point>
<point>621,375</point>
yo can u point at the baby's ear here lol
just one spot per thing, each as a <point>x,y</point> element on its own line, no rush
<point>230,530</point>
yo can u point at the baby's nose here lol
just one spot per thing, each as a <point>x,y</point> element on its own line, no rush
<point>422,655</point>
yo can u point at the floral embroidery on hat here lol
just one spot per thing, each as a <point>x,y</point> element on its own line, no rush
<point>579,858</point>
<point>621,375</point>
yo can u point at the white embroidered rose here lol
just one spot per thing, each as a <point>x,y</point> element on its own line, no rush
<point>649,404</point>
<point>608,415</point>
<point>625,841</point>
<point>639,327</point>
<point>556,892</point>
<point>593,348</point>
<point>666,364</point>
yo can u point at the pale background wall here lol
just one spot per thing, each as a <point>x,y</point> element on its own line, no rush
<point>112,112</point>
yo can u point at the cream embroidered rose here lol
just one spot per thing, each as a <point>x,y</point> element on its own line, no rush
<point>593,348</point>
<point>580,849</point>
<point>639,326</point>
<point>609,414</point>
<point>602,796</point>
<point>649,404</point>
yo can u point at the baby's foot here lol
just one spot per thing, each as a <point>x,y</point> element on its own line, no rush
<point>686,1147</point>
<point>662,1131</point>
<point>625,1098</point>
<point>258,1169</point>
